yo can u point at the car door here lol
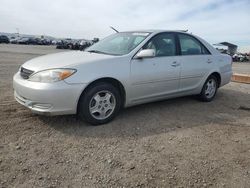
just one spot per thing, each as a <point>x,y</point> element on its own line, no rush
<point>196,62</point>
<point>156,77</point>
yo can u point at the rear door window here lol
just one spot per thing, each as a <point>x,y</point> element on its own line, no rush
<point>191,46</point>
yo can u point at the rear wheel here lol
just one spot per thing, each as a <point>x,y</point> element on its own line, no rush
<point>209,89</point>
<point>99,104</point>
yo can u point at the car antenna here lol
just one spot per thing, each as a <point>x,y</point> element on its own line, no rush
<point>114,29</point>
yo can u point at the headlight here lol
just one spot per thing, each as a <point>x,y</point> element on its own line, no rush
<point>51,75</point>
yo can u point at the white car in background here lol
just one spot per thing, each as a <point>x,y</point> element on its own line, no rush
<point>122,70</point>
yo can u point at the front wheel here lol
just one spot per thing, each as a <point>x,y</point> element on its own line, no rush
<point>209,89</point>
<point>99,104</point>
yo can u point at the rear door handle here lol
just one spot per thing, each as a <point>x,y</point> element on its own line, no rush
<point>175,64</point>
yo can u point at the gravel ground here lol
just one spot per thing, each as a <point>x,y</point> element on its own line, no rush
<point>175,143</point>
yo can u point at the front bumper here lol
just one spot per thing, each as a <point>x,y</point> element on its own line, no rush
<point>57,98</point>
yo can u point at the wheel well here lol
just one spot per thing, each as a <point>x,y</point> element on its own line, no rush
<point>112,81</point>
<point>217,75</point>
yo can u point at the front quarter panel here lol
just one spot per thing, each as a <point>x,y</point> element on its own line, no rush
<point>116,67</point>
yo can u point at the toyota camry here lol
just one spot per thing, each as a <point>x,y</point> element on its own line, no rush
<point>122,70</point>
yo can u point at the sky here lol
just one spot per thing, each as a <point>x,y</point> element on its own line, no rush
<point>214,20</point>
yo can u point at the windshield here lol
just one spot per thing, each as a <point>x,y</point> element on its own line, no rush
<point>119,43</point>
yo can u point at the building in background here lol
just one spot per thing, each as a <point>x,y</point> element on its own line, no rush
<point>231,49</point>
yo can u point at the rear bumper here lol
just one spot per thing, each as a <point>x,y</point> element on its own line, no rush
<point>57,98</point>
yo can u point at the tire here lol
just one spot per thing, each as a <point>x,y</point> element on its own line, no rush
<point>207,94</point>
<point>103,99</point>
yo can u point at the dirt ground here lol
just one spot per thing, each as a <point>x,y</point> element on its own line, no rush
<point>175,143</point>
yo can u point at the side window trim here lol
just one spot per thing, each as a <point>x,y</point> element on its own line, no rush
<point>178,45</point>
<point>200,43</point>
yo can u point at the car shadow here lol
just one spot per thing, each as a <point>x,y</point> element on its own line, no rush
<point>159,117</point>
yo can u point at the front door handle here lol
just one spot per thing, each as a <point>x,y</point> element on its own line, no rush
<point>209,61</point>
<point>175,64</point>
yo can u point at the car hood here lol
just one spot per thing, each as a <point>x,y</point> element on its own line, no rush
<point>63,60</point>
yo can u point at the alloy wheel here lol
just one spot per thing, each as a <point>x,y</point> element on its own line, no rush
<point>210,89</point>
<point>102,105</point>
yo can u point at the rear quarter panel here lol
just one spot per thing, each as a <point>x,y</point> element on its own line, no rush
<point>224,63</point>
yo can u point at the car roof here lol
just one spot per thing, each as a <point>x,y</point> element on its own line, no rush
<point>157,31</point>
<point>154,31</point>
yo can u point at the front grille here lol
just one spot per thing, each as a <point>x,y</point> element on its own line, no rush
<point>25,73</point>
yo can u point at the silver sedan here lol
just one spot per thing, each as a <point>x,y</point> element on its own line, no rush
<point>122,70</point>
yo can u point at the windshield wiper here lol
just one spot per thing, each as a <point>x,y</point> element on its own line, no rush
<point>96,51</point>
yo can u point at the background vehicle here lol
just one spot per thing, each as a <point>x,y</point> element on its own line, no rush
<point>46,41</point>
<point>31,41</point>
<point>64,44</point>
<point>74,44</point>
<point>122,70</point>
<point>84,44</point>
<point>14,40</point>
<point>95,40</point>
<point>240,57</point>
<point>25,40</point>
<point>4,39</point>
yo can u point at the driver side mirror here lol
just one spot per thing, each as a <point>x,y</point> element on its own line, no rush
<point>147,53</point>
